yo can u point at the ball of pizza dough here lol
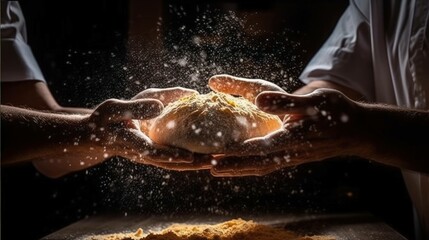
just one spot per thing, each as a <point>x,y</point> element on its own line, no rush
<point>207,123</point>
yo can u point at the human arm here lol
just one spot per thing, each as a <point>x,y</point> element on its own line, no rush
<point>35,95</point>
<point>62,143</point>
<point>22,81</point>
<point>324,124</point>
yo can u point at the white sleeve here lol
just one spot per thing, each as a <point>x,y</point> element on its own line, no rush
<point>345,58</point>
<point>17,60</point>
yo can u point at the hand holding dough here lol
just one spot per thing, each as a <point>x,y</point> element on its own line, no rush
<point>208,123</point>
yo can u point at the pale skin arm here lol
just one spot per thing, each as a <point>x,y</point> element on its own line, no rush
<point>325,123</point>
<point>62,143</point>
<point>35,95</point>
<point>59,144</point>
<point>29,134</point>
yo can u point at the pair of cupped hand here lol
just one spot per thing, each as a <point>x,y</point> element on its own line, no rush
<point>316,125</point>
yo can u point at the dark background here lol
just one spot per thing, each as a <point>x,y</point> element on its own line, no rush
<point>94,50</point>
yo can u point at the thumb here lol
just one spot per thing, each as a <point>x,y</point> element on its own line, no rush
<point>285,103</point>
<point>245,87</point>
<point>120,110</point>
<point>165,95</point>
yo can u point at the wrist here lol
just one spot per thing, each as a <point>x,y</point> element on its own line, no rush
<point>365,129</point>
<point>392,136</point>
<point>68,132</point>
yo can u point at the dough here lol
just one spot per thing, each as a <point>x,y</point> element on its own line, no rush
<point>207,123</point>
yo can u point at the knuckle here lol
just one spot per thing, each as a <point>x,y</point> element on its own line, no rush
<point>109,103</point>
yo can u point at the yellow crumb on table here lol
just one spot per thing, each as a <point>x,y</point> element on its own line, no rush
<point>236,229</point>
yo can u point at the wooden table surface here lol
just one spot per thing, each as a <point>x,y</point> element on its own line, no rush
<point>345,226</point>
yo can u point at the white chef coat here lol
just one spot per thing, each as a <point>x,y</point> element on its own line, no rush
<point>17,60</point>
<point>381,49</point>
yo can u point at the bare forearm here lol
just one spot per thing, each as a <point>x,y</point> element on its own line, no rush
<point>73,110</point>
<point>35,95</point>
<point>399,137</point>
<point>27,134</point>
<point>392,135</point>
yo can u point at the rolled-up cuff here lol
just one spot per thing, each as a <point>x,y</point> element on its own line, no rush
<point>18,62</point>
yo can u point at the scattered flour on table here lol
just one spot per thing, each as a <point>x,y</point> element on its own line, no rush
<point>235,229</point>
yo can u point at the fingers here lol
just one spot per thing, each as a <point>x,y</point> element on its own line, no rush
<point>200,162</point>
<point>297,135</point>
<point>284,103</point>
<point>147,149</point>
<point>166,95</point>
<point>117,110</point>
<point>167,154</point>
<point>147,152</point>
<point>249,166</point>
<point>247,88</point>
<point>234,166</point>
<point>261,145</point>
<point>173,159</point>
